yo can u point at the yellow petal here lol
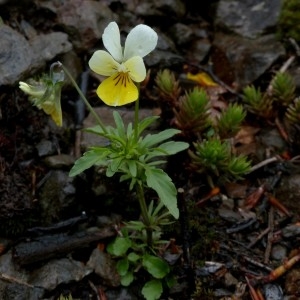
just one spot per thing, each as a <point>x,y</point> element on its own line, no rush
<point>54,110</point>
<point>117,90</point>
<point>103,63</point>
<point>136,68</point>
<point>202,78</point>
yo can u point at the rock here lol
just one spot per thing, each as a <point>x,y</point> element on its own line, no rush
<point>47,46</point>
<point>60,161</point>
<point>84,21</point>
<point>248,18</point>
<point>279,252</point>
<point>16,286</point>
<point>171,8</point>
<point>57,197</point>
<point>20,58</point>
<point>58,271</point>
<point>289,190</point>
<point>45,147</point>
<point>247,59</point>
<point>104,267</point>
<point>15,55</point>
<point>272,291</point>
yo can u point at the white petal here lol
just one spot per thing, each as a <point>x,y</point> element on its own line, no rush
<point>103,63</point>
<point>136,68</point>
<point>140,41</point>
<point>112,41</point>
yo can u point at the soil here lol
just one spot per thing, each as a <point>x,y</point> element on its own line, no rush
<point>218,250</point>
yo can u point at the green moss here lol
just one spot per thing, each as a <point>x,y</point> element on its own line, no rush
<point>289,25</point>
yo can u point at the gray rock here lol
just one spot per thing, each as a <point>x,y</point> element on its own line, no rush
<point>16,286</point>
<point>45,147</point>
<point>171,8</point>
<point>15,55</point>
<point>279,252</point>
<point>248,59</point>
<point>47,46</point>
<point>104,267</point>
<point>20,58</point>
<point>56,196</point>
<point>84,21</point>
<point>248,18</point>
<point>58,271</point>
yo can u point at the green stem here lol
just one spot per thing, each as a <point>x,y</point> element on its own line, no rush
<point>90,108</point>
<point>136,116</point>
<point>143,206</point>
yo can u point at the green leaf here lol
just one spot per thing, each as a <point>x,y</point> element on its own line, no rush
<point>133,257</point>
<point>95,130</point>
<point>127,279</point>
<point>143,124</point>
<point>120,125</point>
<point>168,148</point>
<point>170,280</point>
<point>155,266</point>
<point>173,147</point>
<point>132,167</point>
<point>119,246</point>
<point>152,290</point>
<point>158,180</point>
<point>122,266</point>
<point>89,158</point>
<point>153,139</point>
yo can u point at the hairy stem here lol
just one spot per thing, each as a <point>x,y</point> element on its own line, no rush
<point>90,108</point>
<point>143,206</point>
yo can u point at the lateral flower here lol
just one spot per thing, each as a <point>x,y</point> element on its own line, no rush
<point>123,67</point>
<point>45,93</point>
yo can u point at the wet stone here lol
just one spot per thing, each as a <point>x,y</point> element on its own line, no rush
<point>279,252</point>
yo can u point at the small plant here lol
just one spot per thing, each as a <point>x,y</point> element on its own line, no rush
<point>168,86</point>
<point>130,154</point>
<point>131,248</point>
<point>230,120</point>
<point>288,24</point>
<point>293,112</point>
<point>283,88</point>
<point>192,113</point>
<point>272,102</point>
<point>214,158</point>
<point>256,102</point>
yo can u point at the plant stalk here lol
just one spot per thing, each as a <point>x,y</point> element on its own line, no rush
<point>143,206</point>
<point>136,116</point>
<point>90,108</point>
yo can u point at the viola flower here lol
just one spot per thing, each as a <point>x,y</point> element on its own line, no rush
<point>123,67</point>
<point>45,93</point>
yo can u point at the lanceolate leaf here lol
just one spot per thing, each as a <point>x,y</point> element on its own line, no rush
<point>145,123</point>
<point>89,158</point>
<point>158,180</point>
<point>153,139</point>
<point>173,147</point>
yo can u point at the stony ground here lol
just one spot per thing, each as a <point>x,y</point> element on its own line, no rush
<point>226,245</point>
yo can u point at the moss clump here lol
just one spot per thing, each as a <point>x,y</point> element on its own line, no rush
<point>289,25</point>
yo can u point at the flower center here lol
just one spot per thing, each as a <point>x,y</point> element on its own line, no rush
<point>121,78</point>
<point>122,68</point>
